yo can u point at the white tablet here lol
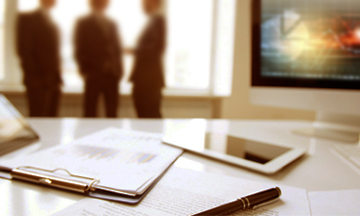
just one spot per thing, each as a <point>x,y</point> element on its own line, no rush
<point>262,157</point>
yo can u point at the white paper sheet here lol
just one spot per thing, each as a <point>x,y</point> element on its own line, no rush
<point>345,202</point>
<point>183,192</point>
<point>126,160</point>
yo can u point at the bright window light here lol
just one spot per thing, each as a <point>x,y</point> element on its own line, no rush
<point>192,38</point>
<point>131,20</point>
<point>65,14</point>
<point>2,16</point>
<point>27,5</point>
<point>128,14</point>
<point>188,62</point>
<point>224,46</point>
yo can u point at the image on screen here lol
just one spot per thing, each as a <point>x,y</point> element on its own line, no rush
<point>311,39</point>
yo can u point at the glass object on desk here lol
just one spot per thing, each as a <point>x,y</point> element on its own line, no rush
<point>350,153</point>
<point>14,131</point>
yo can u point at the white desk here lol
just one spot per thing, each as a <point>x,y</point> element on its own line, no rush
<point>317,171</point>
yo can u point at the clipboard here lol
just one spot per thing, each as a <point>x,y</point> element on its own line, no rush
<point>75,183</point>
<point>111,164</point>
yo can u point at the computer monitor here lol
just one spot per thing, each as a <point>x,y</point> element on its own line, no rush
<point>306,55</point>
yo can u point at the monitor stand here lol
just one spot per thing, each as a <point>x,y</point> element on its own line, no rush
<point>338,127</point>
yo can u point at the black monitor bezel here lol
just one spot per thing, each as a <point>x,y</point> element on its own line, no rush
<point>260,81</point>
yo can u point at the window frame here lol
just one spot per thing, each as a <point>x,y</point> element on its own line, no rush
<point>11,67</point>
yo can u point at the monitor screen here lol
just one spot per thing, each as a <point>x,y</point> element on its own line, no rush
<point>306,43</point>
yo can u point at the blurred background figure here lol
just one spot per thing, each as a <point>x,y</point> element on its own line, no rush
<point>148,75</point>
<point>98,52</point>
<point>38,47</point>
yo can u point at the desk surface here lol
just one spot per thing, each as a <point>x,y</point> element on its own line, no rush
<point>319,170</point>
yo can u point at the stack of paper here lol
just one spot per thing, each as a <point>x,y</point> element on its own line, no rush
<point>345,202</point>
<point>183,192</point>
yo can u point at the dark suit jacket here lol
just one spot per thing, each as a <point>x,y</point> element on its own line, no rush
<point>38,47</point>
<point>148,67</point>
<point>96,51</point>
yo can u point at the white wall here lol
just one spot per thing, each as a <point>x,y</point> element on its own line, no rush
<point>238,105</point>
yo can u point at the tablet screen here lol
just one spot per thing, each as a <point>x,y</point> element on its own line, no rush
<point>241,148</point>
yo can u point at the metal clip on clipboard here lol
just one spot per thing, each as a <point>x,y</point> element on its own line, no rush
<point>92,189</point>
<point>22,173</point>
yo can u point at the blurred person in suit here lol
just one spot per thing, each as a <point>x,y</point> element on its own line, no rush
<point>38,47</point>
<point>98,52</point>
<point>148,74</point>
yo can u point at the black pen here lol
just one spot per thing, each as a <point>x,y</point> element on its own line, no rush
<point>5,169</point>
<point>252,201</point>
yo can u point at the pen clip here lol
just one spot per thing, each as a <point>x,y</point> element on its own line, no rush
<point>22,173</point>
<point>265,203</point>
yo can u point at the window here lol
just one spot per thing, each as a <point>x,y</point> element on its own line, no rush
<point>188,60</point>
<point>201,45</point>
<point>127,14</point>
<point>2,16</point>
<point>200,40</point>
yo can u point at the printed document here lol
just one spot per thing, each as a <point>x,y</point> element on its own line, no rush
<point>183,192</point>
<point>122,160</point>
<point>335,202</point>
